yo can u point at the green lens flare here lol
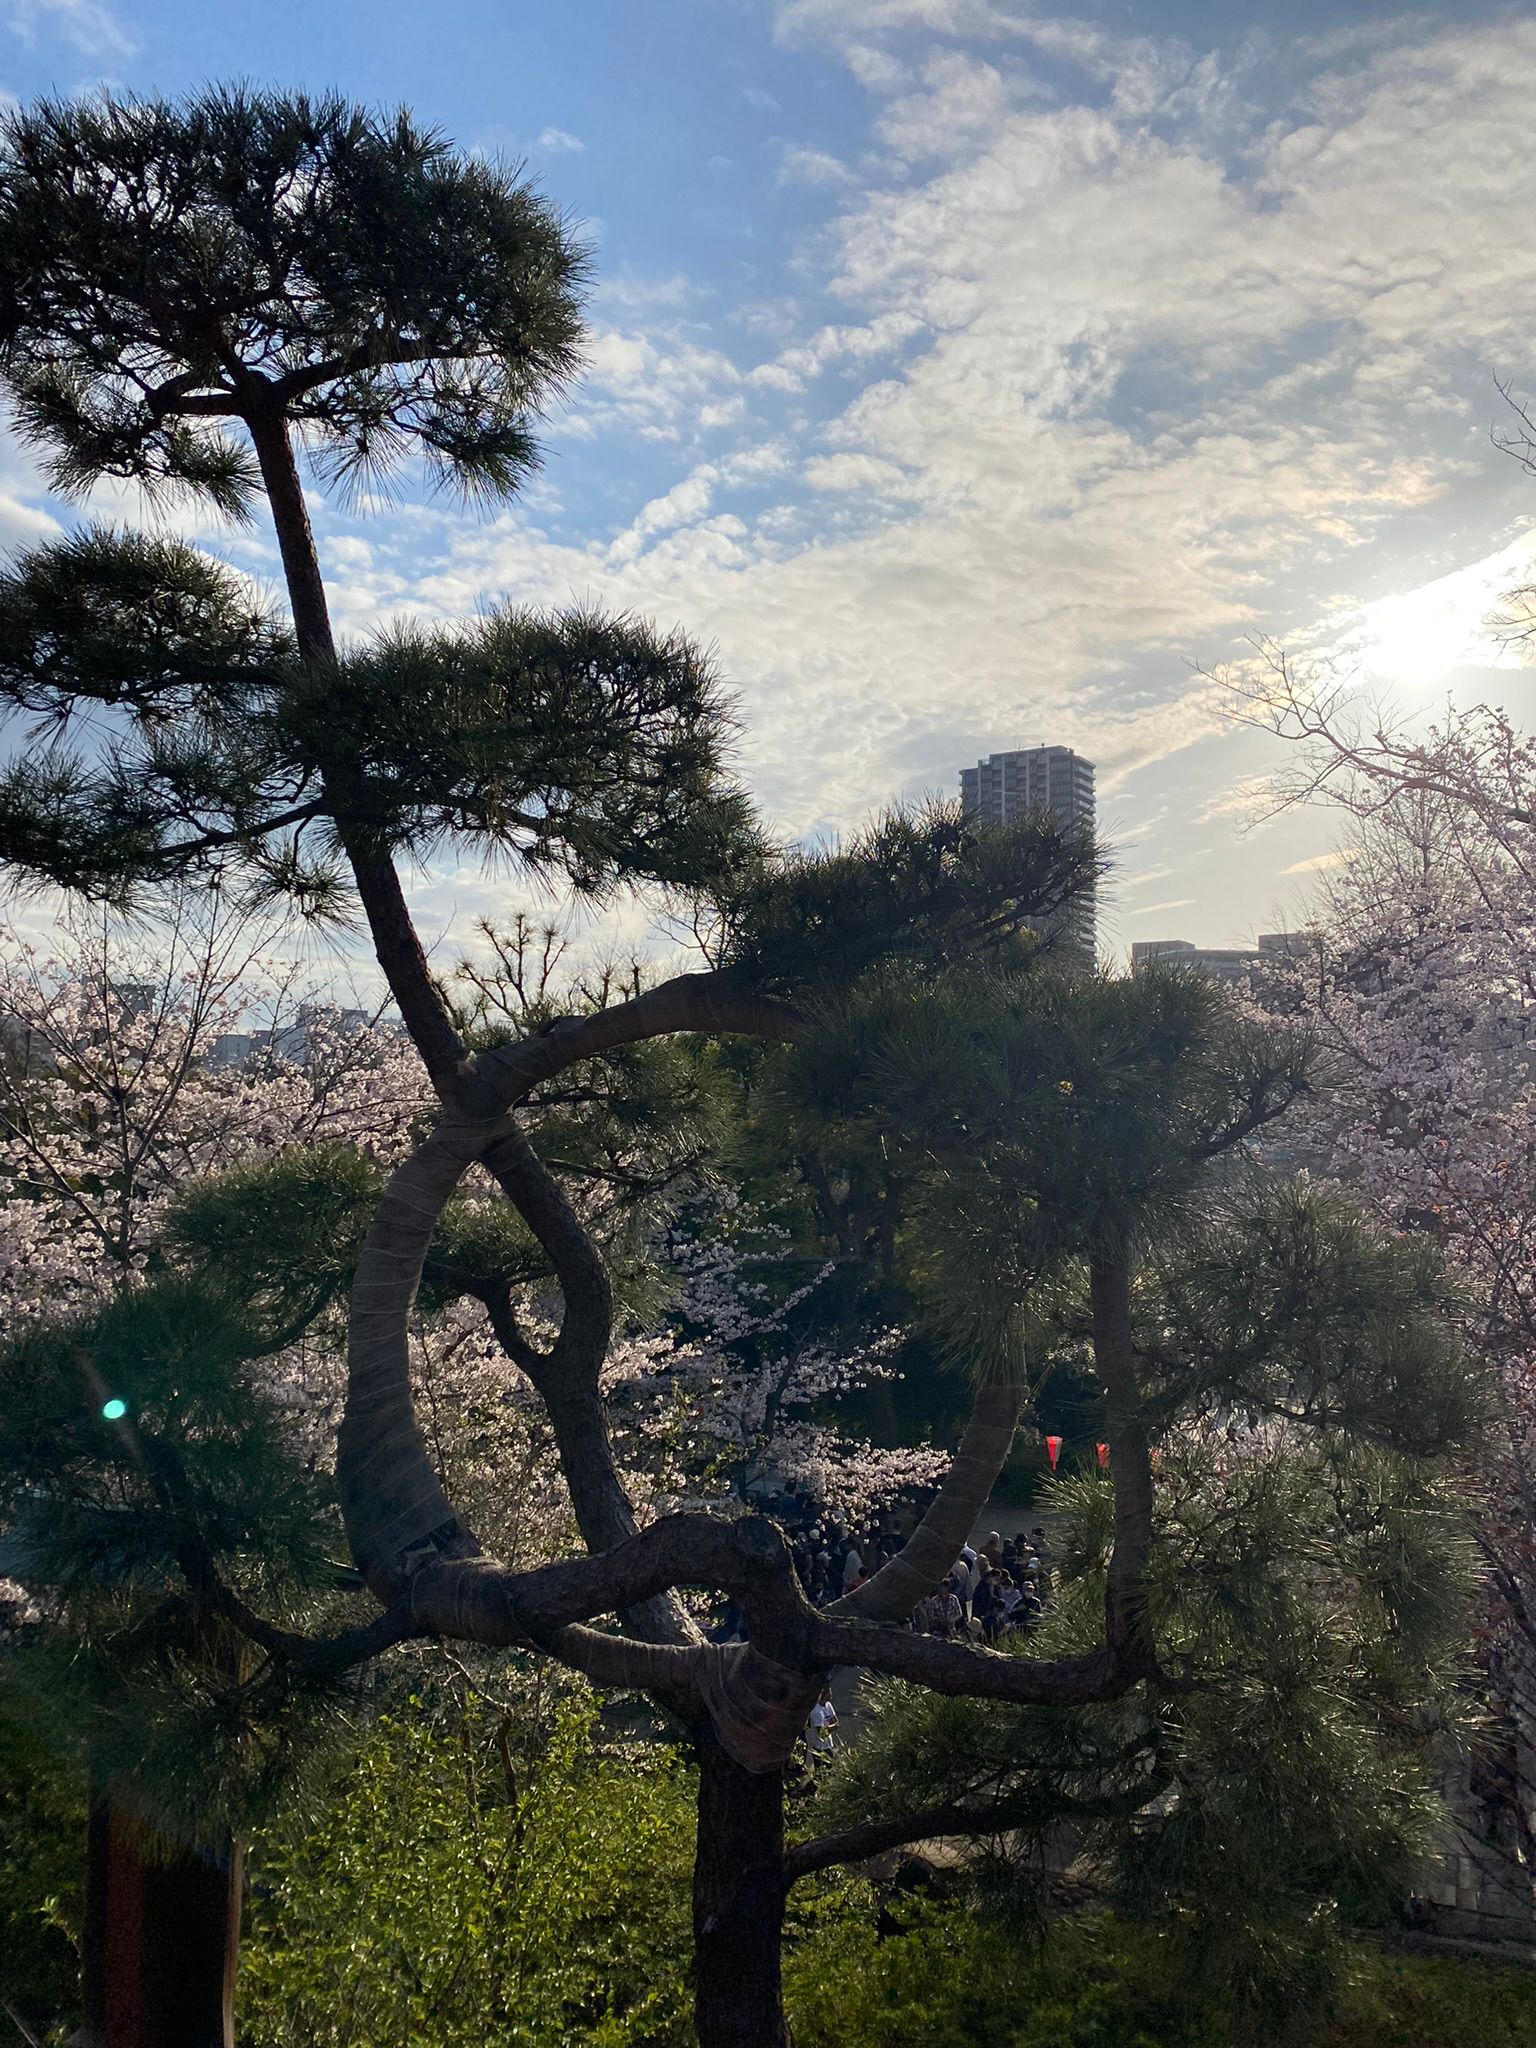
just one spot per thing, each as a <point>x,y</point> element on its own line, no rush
<point>114,1410</point>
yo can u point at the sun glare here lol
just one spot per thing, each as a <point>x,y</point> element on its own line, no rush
<point>1416,638</point>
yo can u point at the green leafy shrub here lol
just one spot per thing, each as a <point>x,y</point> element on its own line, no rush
<point>951,1977</point>
<point>468,1881</point>
<point>462,1890</point>
<point>1436,2002</point>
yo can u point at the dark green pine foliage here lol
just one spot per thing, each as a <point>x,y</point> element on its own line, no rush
<point>1031,1117</point>
<point>179,734</point>
<point>393,296</point>
<point>1313,1416</point>
<point>933,887</point>
<point>191,292</point>
<point>117,1524</point>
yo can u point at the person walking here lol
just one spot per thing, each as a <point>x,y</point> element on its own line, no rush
<point>984,1607</point>
<point>821,1729</point>
<point>951,1608</point>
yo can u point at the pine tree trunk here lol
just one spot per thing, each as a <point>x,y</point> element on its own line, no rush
<point>295,537</point>
<point>395,938</point>
<point>738,1904</point>
<point>161,1936</point>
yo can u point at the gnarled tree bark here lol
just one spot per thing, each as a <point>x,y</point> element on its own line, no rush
<point>738,1904</point>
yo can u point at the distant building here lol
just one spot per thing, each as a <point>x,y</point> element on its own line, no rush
<point>1005,788</point>
<point>313,1031</point>
<point>1223,963</point>
<point>288,1042</point>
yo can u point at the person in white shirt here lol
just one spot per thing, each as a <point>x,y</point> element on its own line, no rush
<point>821,1727</point>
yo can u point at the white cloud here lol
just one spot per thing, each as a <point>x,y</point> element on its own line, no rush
<point>859,473</point>
<point>1112,380</point>
<point>351,550</point>
<point>754,464</point>
<point>801,165</point>
<point>23,525</point>
<point>875,69</point>
<point>725,413</point>
<point>93,29</point>
<point>654,384</point>
<point>558,142</point>
<point>1246,800</point>
<point>1320,863</point>
<point>762,102</point>
<point>852,22</point>
<point>961,102</point>
<point>684,505</point>
<point>794,367</point>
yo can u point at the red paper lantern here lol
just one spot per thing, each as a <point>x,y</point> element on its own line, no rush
<point>1103,1451</point>
<point>1053,1449</point>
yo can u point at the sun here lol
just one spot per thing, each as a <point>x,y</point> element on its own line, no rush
<point>1415,638</point>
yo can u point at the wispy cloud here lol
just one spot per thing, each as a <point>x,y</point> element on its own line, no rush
<point>800,165</point>
<point>91,28</point>
<point>1245,800</point>
<point>1336,857</point>
<point>557,141</point>
<point>1057,392</point>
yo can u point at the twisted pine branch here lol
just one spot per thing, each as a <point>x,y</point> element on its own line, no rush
<point>963,1818</point>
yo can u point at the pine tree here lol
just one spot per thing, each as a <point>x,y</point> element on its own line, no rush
<point>197,297</point>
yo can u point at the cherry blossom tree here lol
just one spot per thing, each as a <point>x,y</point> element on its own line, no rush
<point>1419,978</point>
<point>134,1063</point>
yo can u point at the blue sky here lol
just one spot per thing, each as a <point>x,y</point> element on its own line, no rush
<point>970,374</point>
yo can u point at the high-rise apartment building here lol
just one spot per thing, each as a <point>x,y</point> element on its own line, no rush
<point>1007,787</point>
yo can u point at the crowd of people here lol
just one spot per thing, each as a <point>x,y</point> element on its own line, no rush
<point>992,1591</point>
<point>1004,1586</point>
